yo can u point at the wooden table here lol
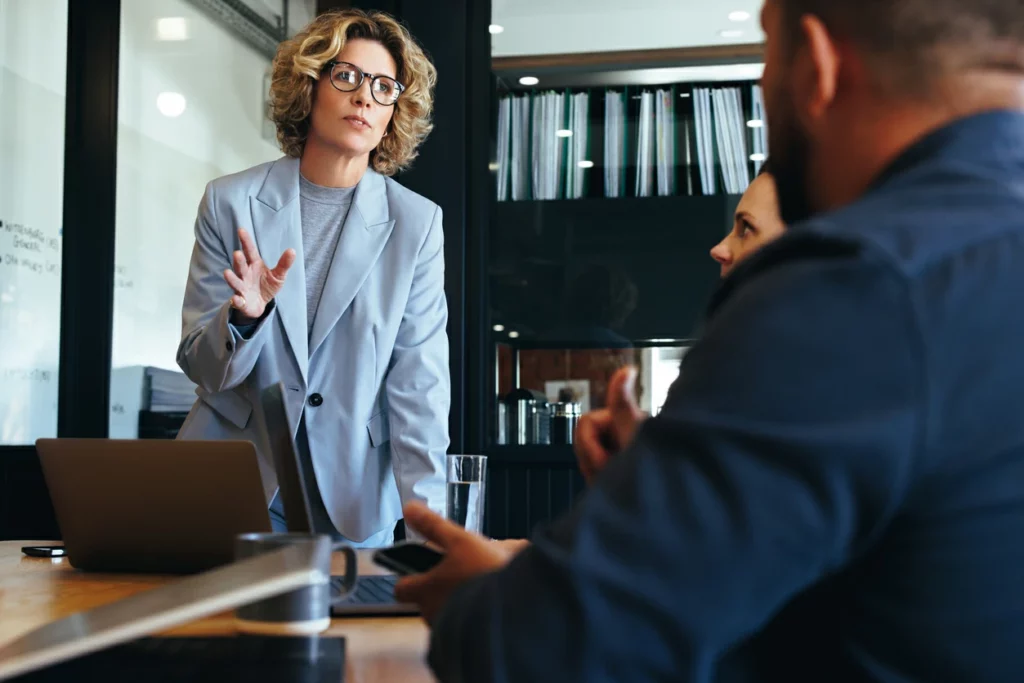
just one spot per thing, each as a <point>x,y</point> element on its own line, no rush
<point>36,591</point>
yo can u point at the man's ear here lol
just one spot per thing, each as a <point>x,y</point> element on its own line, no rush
<point>816,70</point>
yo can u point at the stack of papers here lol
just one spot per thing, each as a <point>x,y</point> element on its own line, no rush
<point>168,391</point>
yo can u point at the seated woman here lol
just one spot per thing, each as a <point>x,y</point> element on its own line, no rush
<point>757,222</point>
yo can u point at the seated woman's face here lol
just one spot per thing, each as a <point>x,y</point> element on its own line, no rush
<point>757,222</point>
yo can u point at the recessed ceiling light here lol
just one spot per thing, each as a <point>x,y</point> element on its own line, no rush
<point>171,28</point>
<point>755,123</point>
<point>586,163</point>
<point>757,156</point>
<point>564,133</point>
<point>739,15</point>
<point>171,104</point>
<point>731,33</point>
<point>495,29</point>
<point>513,335</point>
<point>529,80</point>
<point>499,328</point>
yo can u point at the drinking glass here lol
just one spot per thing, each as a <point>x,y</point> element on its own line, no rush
<point>467,482</point>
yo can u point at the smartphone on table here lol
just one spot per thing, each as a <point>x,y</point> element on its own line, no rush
<point>408,558</point>
<point>44,550</point>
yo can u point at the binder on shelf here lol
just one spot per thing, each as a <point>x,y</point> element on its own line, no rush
<point>614,143</point>
<point>504,142</point>
<point>689,140</point>
<point>547,145</point>
<point>665,138</point>
<point>759,133</point>
<point>688,173</point>
<point>645,146</point>
<point>579,162</point>
<point>520,150</point>
<point>705,144</point>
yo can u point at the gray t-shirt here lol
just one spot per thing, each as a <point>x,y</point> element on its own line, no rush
<point>323,211</point>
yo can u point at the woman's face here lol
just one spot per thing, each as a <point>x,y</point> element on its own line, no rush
<point>757,222</point>
<point>353,122</point>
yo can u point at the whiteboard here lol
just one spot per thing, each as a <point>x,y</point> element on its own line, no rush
<point>32,67</point>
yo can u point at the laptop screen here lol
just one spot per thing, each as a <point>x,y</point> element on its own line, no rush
<point>286,460</point>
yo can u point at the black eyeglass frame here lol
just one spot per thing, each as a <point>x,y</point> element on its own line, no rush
<point>331,65</point>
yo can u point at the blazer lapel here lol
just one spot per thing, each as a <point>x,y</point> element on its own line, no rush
<point>363,237</point>
<point>278,226</point>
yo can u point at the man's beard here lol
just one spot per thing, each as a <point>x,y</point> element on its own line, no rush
<point>790,153</point>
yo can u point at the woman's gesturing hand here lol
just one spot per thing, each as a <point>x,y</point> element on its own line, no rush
<point>255,284</point>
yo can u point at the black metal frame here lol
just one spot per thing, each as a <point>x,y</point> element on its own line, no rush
<point>362,77</point>
<point>90,183</point>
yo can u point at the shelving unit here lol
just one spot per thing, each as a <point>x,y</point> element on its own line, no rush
<point>579,287</point>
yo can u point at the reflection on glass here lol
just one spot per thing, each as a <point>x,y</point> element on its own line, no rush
<point>33,57</point>
<point>191,108</point>
<point>535,385</point>
<point>598,301</point>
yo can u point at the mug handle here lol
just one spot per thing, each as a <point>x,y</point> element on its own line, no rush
<point>351,571</point>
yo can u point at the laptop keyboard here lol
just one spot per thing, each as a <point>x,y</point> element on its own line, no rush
<point>370,590</point>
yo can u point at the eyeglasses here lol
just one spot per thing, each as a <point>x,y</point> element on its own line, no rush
<point>348,77</point>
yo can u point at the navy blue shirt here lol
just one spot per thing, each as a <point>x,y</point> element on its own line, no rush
<point>834,490</point>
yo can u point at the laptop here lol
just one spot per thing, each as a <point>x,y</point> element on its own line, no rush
<point>373,595</point>
<point>171,507</point>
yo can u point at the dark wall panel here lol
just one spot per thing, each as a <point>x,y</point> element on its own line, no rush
<point>522,496</point>
<point>452,171</point>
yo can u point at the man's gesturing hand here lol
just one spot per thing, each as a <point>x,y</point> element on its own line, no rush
<point>603,433</point>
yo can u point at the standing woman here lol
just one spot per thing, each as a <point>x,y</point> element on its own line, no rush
<point>320,271</point>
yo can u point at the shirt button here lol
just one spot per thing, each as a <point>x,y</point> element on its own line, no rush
<point>229,346</point>
<point>316,400</point>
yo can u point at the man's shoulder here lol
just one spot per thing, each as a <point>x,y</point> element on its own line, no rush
<point>927,219</point>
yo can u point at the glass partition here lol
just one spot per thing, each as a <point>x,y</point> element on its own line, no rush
<point>33,67</point>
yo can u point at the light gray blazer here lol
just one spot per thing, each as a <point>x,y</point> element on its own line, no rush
<point>377,353</point>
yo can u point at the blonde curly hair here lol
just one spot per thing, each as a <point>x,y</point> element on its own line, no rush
<point>301,60</point>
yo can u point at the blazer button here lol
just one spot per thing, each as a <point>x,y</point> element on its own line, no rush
<point>229,346</point>
<point>316,400</point>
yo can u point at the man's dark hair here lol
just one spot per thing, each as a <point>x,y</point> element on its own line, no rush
<point>911,43</point>
<point>766,168</point>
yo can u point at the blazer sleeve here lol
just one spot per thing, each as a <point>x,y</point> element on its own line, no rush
<point>213,353</point>
<point>783,449</point>
<point>418,384</point>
